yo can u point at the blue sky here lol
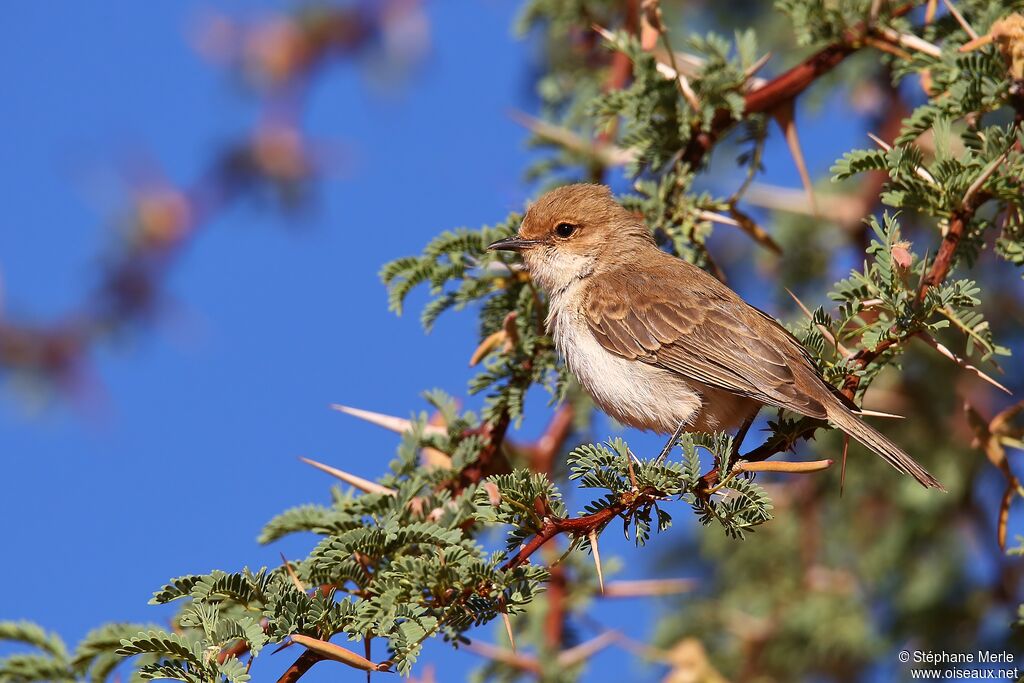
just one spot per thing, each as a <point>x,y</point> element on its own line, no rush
<point>267,325</point>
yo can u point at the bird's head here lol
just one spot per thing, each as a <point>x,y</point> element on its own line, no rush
<point>572,231</point>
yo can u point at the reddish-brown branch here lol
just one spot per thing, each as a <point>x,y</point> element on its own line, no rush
<point>542,456</point>
<point>554,618</point>
<point>789,84</point>
<point>299,667</point>
<point>947,251</point>
<point>936,275</point>
<point>618,76</point>
<point>579,526</point>
<point>782,89</point>
<point>491,459</point>
<point>542,452</point>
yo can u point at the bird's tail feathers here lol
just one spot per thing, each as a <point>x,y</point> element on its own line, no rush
<point>842,417</point>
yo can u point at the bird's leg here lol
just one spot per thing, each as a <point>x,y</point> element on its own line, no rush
<point>741,434</point>
<point>672,441</point>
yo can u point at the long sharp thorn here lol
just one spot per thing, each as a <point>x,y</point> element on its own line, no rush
<point>671,443</point>
<point>283,646</point>
<point>486,346</point>
<point>876,6</point>
<point>648,588</point>
<point>597,557</point>
<point>984,176</point>
<point>838,208</point>
<point>584,651</point>
<point>921,172</point>
<point>880,142</point>
<point>961,362</point>
<point>911,41</point>
<point>758,65</point>
<point>1004,514</point>
<point>608,154</point>
<point>508,630</point>
<point>755,231</point>
<point>960,20</point>
<point>980,41</point>
<point>924,273</point>
<point>605,33</point>
<point>878,413</point>
<point>364,485</point>
<point>785,116</point>
<point>503,656</point>
<point>687,90</point>
<point>842,474</point>
<point>292,575</point>
<point>821,328</point>
<point>399,425</point>
<point>716,217</point>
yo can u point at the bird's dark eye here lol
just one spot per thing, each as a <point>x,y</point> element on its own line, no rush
<point>565,229</point>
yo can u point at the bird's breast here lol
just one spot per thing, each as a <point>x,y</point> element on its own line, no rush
<point>633,392</point>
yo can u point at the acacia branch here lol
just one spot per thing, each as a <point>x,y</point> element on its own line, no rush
<point>947,250</point>
<point>300,666</point>
<point>583,525</point>
<point>936,275</point>
<point>783,88</point>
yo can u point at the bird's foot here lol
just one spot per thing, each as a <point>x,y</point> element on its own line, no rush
<point>673,440</point>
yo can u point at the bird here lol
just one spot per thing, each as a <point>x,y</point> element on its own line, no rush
<point>658,343</point>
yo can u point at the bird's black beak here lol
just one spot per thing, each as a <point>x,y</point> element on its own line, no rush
<point>512,244</point>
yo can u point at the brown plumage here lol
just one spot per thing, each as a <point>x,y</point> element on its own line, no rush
<point>657,341</point>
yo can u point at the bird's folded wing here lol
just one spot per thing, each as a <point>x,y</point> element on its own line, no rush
<point>698,328</point>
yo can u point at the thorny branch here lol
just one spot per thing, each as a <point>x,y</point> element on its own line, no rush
<point>782,89</point>
<point>777,92</point>
<point>300,666</point>
<point>581,526</point>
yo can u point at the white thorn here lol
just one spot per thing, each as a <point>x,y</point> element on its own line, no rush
<point>961,362</point>
<point>960,20</point>
<point>597,557</point>
<point>364,485</point>
<point>924,174</point>
<point>878,413</point>
<point>399,425</point>
<point>508,630</point>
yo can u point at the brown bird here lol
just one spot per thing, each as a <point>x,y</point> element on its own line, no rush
<point>658,343</point>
